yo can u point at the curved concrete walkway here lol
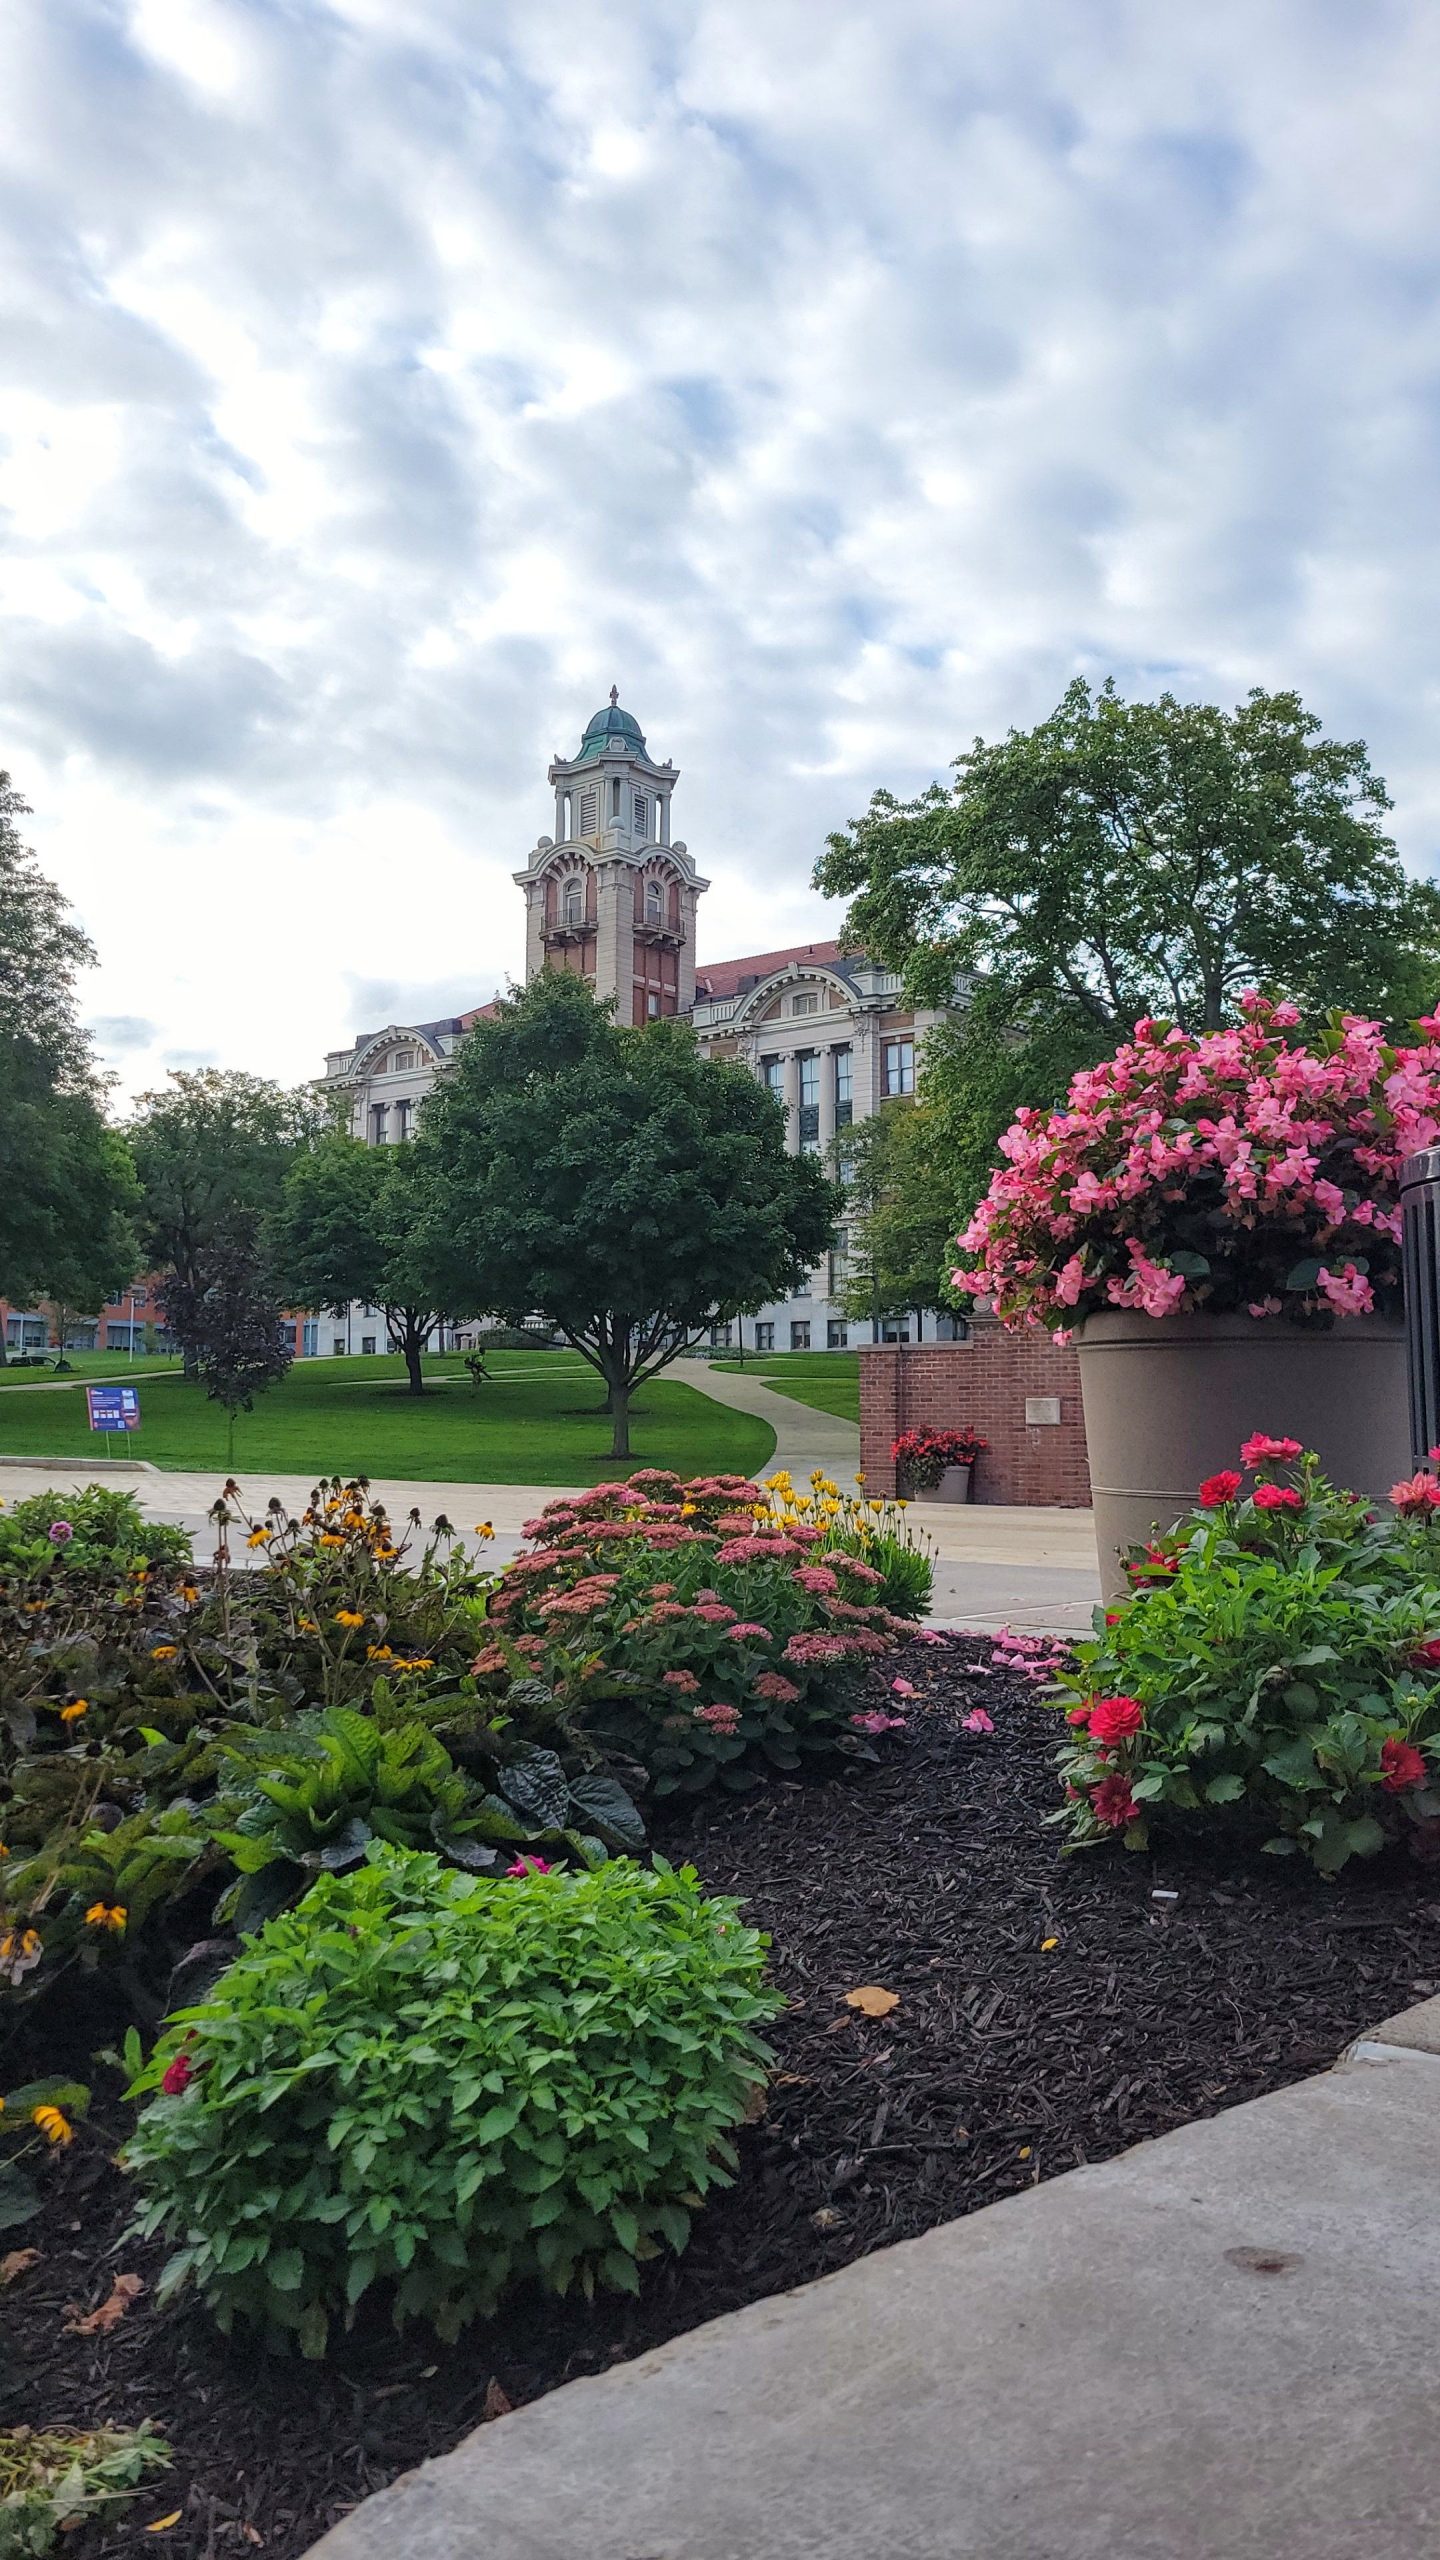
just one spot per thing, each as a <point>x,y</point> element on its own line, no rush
<point>805,1438</point>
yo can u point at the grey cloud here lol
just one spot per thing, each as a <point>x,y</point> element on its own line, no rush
<point>374,1003</point>
<point>119,1032</point>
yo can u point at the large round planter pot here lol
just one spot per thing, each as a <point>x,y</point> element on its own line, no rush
<point>954,1485</point>
<point>1169,1401</point>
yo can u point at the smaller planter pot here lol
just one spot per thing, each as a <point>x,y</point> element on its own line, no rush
<point>954,1485</point>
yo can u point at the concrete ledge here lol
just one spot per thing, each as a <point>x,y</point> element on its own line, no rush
<point>73,1466</point>
<point>1416,2030</point>
<point>1220,2346</point>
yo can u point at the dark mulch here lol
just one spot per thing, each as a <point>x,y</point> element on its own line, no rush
<point>931,1876</point>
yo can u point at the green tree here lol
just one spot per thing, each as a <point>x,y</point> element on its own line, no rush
<point>349,1227</point>
<point>67,1186</point>
<point>229,1323</point>
<point>1121,859</point>
<point>212,1148</point>
<point>1151,857</point>
<point>614,1181</point>
<point>899,1213</point>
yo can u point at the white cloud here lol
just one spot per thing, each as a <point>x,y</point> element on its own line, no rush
<point>381,382</point>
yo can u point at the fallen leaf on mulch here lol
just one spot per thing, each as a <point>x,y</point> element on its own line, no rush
<point>874,2002</point>
<point>498,2403</point>
<point>164,2524</point>
<point>107,2315</point>
<point>756,2103</point>
<point>18,2262</point>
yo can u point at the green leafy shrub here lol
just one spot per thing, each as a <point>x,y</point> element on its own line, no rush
<point>1278,1668</point>
<point>333,1782</point>
<point>107,1530</point>
<point>697,1631</point>
<point>441,2086</point>
<point>52,2484</point>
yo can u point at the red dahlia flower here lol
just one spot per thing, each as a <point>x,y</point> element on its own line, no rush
<point>1402,1764</point>
<point>1263,1444</point>
<point>1219,1489</point>
<point>1113,1803</point>
<point>1277,1497</point>
<point>1115,1719</point>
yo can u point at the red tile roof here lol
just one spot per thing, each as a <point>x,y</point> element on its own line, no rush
<point>722,978</point>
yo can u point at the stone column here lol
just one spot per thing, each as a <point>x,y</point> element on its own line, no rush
<point>615,939</point>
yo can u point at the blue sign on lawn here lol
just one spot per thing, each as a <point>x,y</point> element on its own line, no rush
<point>113,1408</point>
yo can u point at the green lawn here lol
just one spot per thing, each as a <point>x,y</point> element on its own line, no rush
<point>829,1380</point>
<point>536,1421</point>
<point>94,1364</point>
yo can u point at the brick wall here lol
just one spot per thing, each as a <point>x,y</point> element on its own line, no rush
<point>983,1382</point>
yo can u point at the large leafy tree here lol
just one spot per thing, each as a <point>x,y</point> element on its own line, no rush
<point>348,1227</point>
<point>211,1149</point>
<point>67,1185</point>
<point>1126,858</point>
<point>615,1181</point>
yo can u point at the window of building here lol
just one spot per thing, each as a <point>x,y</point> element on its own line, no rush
<point>764,1337</point>
<point>805,1001</point>
<point>615,798</point>
<point>402,1059</point>
<point>589,811</point>
<point>810,1102</point>
<point>719,1337</point>
<point>844,1088</point>
<point>337,1346</point>
<point>800,1334</point>
<point>898,1067</point>
<point>367,1342</point>
<point>837,1335</point>
<point>311,1342</point>
<point>773,1071</point>
<point>895,1329</point>
<point>652,902</point>
<point>652,1005</point>
<point>404,1114</point>
<point>379,1113</point>
<point>642,814</point>
<point>574,902</point>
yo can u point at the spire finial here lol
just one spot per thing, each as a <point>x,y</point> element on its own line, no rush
<point>614,695</point>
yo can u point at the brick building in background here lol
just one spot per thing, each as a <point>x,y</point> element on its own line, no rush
<point>132,1318</point>
<point>615,898</point>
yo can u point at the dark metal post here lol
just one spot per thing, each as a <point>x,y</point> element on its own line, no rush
<point>1420,1210</point>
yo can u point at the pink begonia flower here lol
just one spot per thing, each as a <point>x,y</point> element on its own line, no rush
<point>1348,1291</point>
<point>978,1721</point>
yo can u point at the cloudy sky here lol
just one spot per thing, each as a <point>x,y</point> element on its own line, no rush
<point>381,380</point>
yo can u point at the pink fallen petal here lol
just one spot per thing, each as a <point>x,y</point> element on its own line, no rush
<point>977,1721</point>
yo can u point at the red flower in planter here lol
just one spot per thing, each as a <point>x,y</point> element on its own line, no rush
<point>1263,1444</point>
<point>1277,1497</point>
<point>1113,1803</point>
<point>1426,1656</point>
<point>1218,1489</point>
<point>1402,1764</point>
<point>1415,1495</point>
<point>1115,1719</point>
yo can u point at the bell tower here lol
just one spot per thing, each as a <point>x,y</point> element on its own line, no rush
<point>609,895</point>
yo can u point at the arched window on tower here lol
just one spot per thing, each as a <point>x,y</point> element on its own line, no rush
<point>574,911</point>
<point>652,902</point>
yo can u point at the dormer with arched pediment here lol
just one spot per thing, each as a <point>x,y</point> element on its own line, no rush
<point>610,895</point>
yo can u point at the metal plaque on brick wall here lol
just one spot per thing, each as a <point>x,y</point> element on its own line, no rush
<point>1042,1409</point>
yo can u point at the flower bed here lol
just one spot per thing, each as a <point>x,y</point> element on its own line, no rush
<point>1049,2012</point>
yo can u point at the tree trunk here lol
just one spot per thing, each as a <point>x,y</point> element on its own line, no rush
<point>620,1419</point>
<point>412,1344</point>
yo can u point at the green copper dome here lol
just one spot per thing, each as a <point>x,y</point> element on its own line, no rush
<point>612,730</point>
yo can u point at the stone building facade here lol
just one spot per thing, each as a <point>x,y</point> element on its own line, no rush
<point>613,896</point>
